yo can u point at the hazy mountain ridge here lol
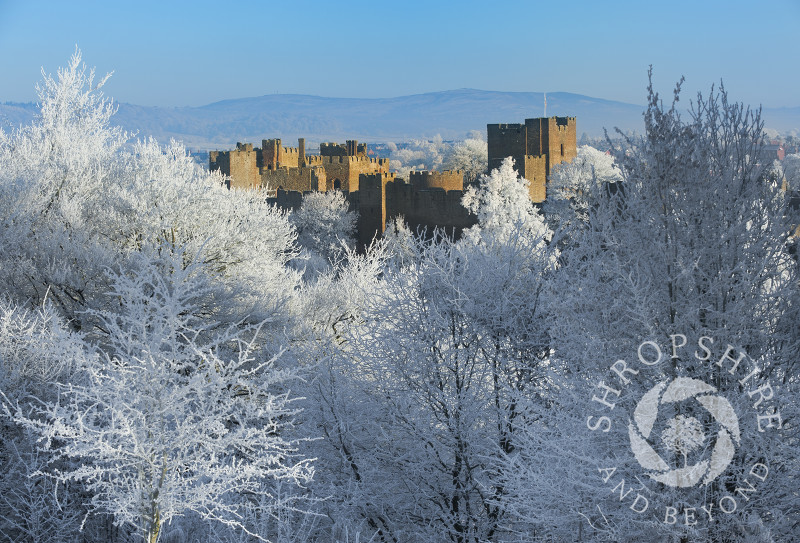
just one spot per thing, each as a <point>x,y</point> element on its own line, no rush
<point>452,114</point>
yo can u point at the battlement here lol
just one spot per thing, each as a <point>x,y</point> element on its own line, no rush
<point>376,179</point>
<point>560,124</point>
<point>349,148</point>
<point>430,199</point>
<point>341,159</point>
<point>505,126</point>
<point>536,146</point>
<point>447,180</point>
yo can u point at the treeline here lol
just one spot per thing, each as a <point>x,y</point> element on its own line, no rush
<point>180,362</point>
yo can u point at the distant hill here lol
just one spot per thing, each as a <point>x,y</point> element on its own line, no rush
<point>451,114</point>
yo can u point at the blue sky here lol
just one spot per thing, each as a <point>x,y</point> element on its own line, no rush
<point>174,53</point>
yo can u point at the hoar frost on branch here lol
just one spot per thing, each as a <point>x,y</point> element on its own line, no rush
<point>75,200</point>
<point>168,275</point>
<point>469,155</point>
<point>569,179</point>
<point>419,398</point>
<point>791,170</point>
<point>503,206</point>
<point>179,414</point>
<point>419,155</point>
<point>692,240</point>
<point>325,229</point>
<point>37,350</point>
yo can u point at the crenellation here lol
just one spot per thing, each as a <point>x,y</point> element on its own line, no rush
<point>349,148</point>
<point>509,126</point>
<point>239,165</point>
<point>535,146</point>
<point>428,199</point>
<point>447,180</point>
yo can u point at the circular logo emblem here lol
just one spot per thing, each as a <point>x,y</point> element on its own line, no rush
<point>683,433</point>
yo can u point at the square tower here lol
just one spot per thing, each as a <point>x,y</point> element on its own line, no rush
<point>536,146</point>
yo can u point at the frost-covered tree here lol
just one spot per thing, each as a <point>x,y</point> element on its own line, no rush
<point>49,171</point>
<point>163,195</point>
<point>690,243</point>
<point>791,170</point>
<point>399,241</point>
<point>326,229</point>
<point>36,351</point>
<point>75,200</point>
<point>502,204</point>
<point>178,413</point>
<point>418,399</point>
<point>569,179</point>
<point>568,187</point>
<point>329,305</point>
<point>426,392</point>
<point>471,156</point>
<point>419,155</point>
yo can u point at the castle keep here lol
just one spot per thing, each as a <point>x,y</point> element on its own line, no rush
<point>425,199</point>
<point>536,146</point>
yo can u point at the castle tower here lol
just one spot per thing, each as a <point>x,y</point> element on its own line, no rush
<point>536,146</point>
<point>372,206</point>
<point>301,146</point>
<point>241,165</point>
<point>271,154</point>
<point>553,137</point>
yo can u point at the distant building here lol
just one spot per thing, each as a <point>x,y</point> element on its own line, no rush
<point>425,200</point>
<point>536,146</point>
<point>337,167</point>
<point>773,150</point>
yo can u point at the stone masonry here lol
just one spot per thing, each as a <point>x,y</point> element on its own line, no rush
<point>426,200</point>
<point>273,166</point>
<point>536,146</point>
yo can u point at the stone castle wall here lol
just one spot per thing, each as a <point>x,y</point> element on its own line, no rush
<point>536,146</point>
<point>426,200</point>
<point>534,169</point>
<point>429,209</point>
<point>383,196</point>
<point>298,179</point>
<point>289,168</point>
<point>446,180</point>
<point>240,165</point>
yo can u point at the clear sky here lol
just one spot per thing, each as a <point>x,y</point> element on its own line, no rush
<point>176,53</point>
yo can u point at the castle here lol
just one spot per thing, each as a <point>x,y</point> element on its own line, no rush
<point>425,199</point>
<point>337,167</point>
<point>536,146</point>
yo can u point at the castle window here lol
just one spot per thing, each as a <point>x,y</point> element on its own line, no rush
<point>337,184</point>
<point>562,149</point>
